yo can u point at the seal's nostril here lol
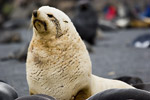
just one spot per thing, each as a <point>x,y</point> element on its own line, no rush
<point>35,13</point>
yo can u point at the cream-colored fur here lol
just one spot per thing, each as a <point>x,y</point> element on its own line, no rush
<point>58,63</point>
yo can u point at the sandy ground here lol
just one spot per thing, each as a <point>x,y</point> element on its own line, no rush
<point>112,57</point>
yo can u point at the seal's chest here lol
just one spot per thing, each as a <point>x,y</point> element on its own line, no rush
<point>53,66</point>
<point>52,80</point>
<point>55,71</point>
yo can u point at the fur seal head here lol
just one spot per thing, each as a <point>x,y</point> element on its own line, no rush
<point>49,22</point>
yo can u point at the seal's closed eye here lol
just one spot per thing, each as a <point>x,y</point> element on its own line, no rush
<point>50,16</point>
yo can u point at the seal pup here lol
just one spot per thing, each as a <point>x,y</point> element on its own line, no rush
<point>58,63</point>
<point>86,21</point>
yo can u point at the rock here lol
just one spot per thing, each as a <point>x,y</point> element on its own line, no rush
<point>121,94</point>
<point>36,97</point>
<point>7,92</point>
<point>130,80</point>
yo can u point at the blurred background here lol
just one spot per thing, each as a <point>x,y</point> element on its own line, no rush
<point>116,33</point>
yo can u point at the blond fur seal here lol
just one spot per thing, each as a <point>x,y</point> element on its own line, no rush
<point>58,63</point>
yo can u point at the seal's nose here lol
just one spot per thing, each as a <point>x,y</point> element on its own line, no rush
<point>35,13</point>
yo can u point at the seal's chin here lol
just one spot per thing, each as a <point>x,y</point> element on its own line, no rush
<point>39,25</point>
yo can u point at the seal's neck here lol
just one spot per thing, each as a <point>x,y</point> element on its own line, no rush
<point>43,36</point>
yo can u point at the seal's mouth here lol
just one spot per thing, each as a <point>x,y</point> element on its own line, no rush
<point>39,25</point>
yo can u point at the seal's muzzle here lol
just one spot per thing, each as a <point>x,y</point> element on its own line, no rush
<point>35,13</point>
<point>39,25</point>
